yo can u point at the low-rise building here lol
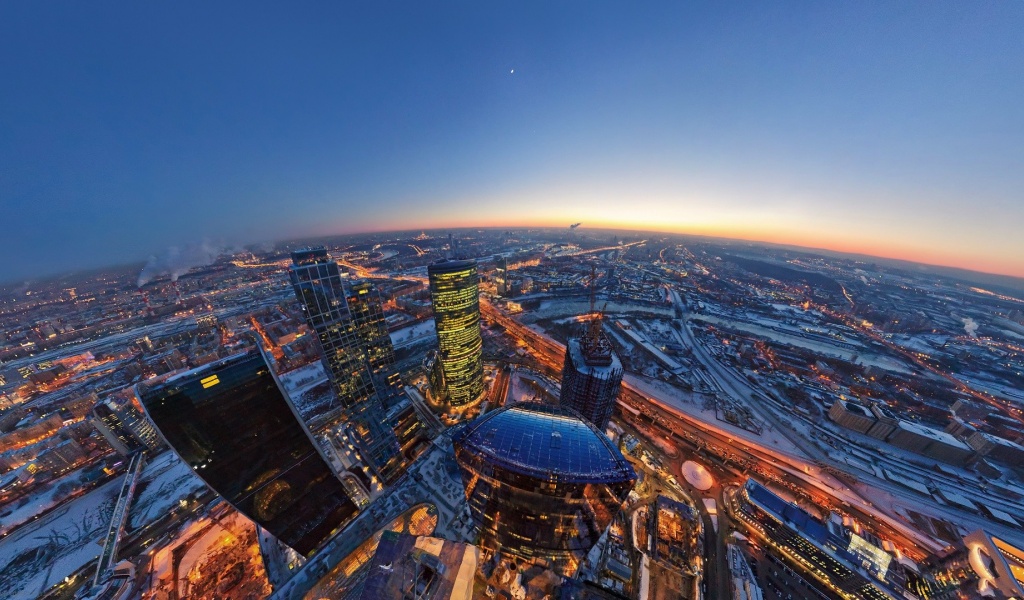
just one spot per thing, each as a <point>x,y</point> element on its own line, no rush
<point>851,415</point>
<point>996,448</point>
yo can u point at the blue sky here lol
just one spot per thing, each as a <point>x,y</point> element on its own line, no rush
<point>885,128</point>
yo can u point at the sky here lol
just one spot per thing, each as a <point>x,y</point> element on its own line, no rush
<point>886,128</point>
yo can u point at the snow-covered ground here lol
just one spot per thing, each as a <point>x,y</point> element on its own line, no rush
<point>641,339</point>
<point>40,555</point>
<point>688,403</point>
<point>865,358</point>
<point>164,482</point>
<point>36,557</point>
<point>711,505</point>
<point>413,333</point>
<point>626,344</point>
<point>561,308</point>
<point>524,386</point>
<point>36,504</point>
<point>307,389</point>
<point>297,381</point>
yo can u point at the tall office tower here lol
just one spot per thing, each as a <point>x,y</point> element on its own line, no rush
<point>501,275</point>
<point>454,292</point>
<point>541,481</point>
<point>356,351</point>
<point>231,423</point>
<point>124,427</point>
<point>591,375</point>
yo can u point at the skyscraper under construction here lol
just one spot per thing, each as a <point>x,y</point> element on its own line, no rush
<point>591,375</point>
<point>357,353</point>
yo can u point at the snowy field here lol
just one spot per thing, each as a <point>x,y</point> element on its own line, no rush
<point>38,556</point>
<point>299,380</point>
<point>413,333</point>
<point>641,339</point>
<point>562,308</point>
<point>865,358</point>
<point>688,403</point>
<point>34,558</point>
<point>164,482</point>
<point>36,504</point>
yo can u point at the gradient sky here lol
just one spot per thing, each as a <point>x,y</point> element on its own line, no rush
<point>888,128</point>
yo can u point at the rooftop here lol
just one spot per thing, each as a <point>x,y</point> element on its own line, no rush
<point>546,442</point>
<point>305,256</point>
<point>586,363</point>
<point>1001,441</point>
<point>424,567</point>
<point>444,266</point>
<point>935,434</point>
<point>856,409</point>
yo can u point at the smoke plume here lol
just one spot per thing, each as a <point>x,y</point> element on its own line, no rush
<point>970,326</point>
<point>177,260</point>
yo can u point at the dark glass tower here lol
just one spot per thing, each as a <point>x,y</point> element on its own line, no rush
<point>230,422</point>
<point>541,482</point>
<point>501,275</point>
<point>454,292</point>
<point>591,375</point>
<point>356,351</point>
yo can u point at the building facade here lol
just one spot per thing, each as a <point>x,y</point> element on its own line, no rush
<point>591,376</point>
<point>845,562</point>
<point>356,351</point>
<point>851,415</point>
<point>232,424</point>
<point>124,427</point>
<point>454,292</point>
<point>542,483</point>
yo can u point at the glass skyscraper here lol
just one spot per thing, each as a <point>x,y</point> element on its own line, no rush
<point>231,423</point>
<point>454,292</point>
<point>541,482</point>
<point>356,350</point>
<point>124,428</point>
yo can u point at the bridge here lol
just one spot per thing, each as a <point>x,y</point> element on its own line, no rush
<point>117,520</point>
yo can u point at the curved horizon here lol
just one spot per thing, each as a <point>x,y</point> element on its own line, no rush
<point>892,130</point>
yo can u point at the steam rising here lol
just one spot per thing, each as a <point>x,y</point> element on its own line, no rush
<point>970,326</point>
<point>177,260</point>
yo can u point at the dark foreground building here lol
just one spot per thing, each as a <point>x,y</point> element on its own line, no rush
<point>541,482</point>
<point>455,294</point>
<point>230,422</point>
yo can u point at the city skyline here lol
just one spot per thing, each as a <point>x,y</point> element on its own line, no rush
<point>888,132</point>
<point>858,421</point>
<point>476,301</point>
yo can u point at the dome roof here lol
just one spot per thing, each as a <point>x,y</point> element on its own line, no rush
<point>547,442</point>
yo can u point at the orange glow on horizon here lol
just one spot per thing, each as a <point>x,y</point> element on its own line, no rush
<point>883,249</point>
